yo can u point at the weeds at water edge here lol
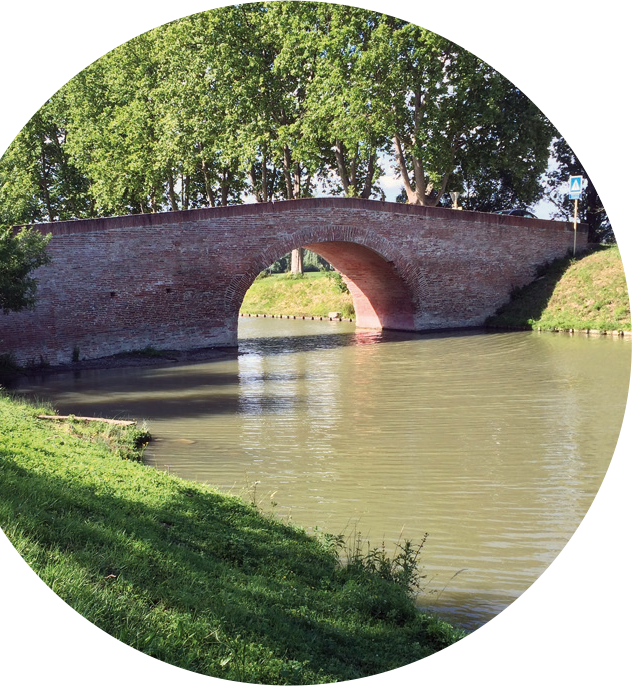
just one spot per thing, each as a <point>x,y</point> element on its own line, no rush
<point>402,568</point>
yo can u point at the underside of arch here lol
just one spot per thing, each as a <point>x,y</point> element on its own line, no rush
<point>381,298</point>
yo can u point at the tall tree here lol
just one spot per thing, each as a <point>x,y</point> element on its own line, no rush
<point>197,140</point>
<point>268,79</point>
<point>39,181</point>
<point>455,120</point>
<point>343,125</point>
<point>275,101</point>
<point>113,128</point>
<point>506,170</point>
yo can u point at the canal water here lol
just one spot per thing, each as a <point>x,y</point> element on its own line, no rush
<point>494,444</point>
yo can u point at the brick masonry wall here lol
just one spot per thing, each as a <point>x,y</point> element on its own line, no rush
<point>176,280</point>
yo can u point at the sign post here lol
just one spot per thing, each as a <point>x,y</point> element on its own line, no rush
<point>575,184</point>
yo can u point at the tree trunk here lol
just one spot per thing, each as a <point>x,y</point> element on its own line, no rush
<point>593,218</point>
<point>210,196</point>
<point>297,261</point>
<point>368,181</point>
<point>264,178</point>
<point>173,201</point>
<point>421,191</point>
<point>297,180</point>
<point>184,180</point>
<point>287,172</point>
<point>253,182</point>
<point>307,190</point>
<point>297,254</point>
<point>353,175</point>
<point>403,170</point>
<point>45,188</point>
<point>342,168</point>
<point>226,178</point>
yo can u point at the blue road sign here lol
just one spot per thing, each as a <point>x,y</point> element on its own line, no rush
<point>575,187</point>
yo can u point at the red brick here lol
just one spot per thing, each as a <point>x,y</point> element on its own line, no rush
<point>177,279</point>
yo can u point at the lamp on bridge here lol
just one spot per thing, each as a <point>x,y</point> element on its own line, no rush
<point>455,200</point>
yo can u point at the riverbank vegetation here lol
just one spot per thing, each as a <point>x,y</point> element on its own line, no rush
<point>194,577</point>
<point>587,292</point>
<point>312,294</point>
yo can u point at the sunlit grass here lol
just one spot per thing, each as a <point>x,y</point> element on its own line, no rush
<point>312,295</point>
<point>589,292</point>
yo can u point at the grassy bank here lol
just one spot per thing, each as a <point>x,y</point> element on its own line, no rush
<point>589,292</point>
<point>312,294</point>
<point>194,577</point>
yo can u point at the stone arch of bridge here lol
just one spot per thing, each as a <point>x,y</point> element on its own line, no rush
<point>385,287</point>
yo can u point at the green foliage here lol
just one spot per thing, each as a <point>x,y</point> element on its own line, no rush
<point>456,124</point>
<point>312,262</point>
<point>338,281</point>
<point>505,159</point>
<point>37,364</point>
<point>403,568</point>
<point>21,253</point>
<point>39,179</point>
<point>275,100</point>
<point>8,363</point>
<point>294,276</point>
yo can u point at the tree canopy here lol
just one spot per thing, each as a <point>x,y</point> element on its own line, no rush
<point>271,101</point>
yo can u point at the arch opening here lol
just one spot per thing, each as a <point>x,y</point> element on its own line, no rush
<point>381,297</point>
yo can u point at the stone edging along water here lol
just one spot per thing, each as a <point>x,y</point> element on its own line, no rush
<point>617,333</point>
<point>330,317</point>
<point>594,332</point>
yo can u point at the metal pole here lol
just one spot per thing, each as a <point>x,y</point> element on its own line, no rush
<point>575,229</point>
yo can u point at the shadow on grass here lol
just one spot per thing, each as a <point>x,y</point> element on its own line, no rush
<point>527,304</point>
<point>204,582</point>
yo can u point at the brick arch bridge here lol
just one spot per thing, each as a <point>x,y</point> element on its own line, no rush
<point>176,280</point>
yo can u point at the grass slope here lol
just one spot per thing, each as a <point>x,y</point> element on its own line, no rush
<point>313,294</point>
<point>189,575</point>
<point>589,292</point>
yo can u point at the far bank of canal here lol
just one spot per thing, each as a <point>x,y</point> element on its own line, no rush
<point>493,443</point>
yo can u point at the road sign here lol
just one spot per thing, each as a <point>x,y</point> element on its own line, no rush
<point>575,187</point>
<point>575,184</point>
